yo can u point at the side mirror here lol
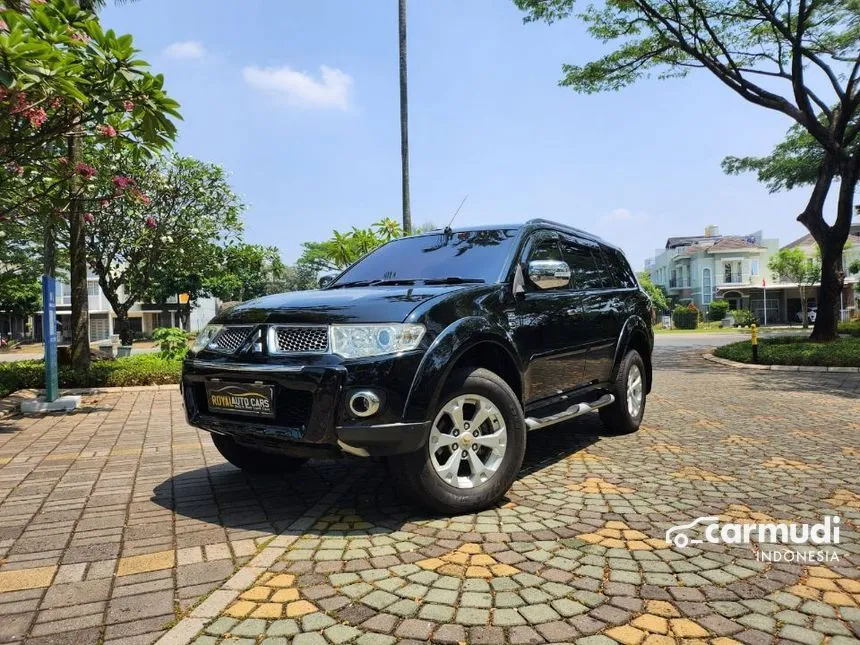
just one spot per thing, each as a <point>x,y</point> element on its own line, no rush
<point>325,281</point>
<point>549,274</point>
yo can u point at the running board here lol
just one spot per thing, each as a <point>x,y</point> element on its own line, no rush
<point>573,411</point>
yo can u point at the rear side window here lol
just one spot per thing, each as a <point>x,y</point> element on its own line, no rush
<point>582,258</point>
<point>618,270</point>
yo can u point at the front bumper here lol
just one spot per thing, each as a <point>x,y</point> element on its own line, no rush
<point>312,419</point>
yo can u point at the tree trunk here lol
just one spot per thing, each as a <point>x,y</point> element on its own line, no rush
<point>404,122</point>
<point>832,244</point>
<point>804,319</point>
<point>123,328</point>
<point>78,258</point>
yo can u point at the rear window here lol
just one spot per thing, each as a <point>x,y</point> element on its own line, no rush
<point>617,270</point>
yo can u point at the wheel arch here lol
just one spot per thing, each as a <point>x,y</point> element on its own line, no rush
<point>635,335</point>
<point>468,342</point>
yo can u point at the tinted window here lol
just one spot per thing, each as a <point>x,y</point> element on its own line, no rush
<point>467,254</point>
<point>618,270</point>
<point>544,247</point>
<point>584,269</point>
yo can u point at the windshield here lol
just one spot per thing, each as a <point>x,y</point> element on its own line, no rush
<point>467,256</point>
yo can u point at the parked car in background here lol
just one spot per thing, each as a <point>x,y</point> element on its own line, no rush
<point>438,351</point>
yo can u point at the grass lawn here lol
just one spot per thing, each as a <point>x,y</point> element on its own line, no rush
<point>144,369</point>
<point>796,350</point>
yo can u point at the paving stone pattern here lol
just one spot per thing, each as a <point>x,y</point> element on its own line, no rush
<point>115,520</point>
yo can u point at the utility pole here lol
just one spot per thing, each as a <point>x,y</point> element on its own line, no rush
<point>404,123</point>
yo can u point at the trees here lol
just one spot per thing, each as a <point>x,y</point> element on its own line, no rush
<point>157,229</point>
<point>404,120</point>
<point>795,57</point>
<point>64,82</point>
<point>793,265</point>
<point>246,271</point>
<point>657,295</point>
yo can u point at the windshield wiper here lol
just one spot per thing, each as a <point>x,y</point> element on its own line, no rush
<point>375,283</point>
<point>453,280</point>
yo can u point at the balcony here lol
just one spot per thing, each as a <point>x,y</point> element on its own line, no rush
<point>733,278</point>
<point>679,283</point>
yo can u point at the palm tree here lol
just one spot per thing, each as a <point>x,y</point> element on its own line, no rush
<point>404,123</point>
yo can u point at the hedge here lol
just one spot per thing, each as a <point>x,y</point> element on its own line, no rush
<point>685,317</point>
<point>144,369</point>
<point>795,350</point>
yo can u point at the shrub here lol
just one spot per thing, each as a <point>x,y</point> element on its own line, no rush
<point>795,350</point>
<point>717,310</point>
<point>172,341</point>
<point>685,317</point>
<point>145,369</point>
<point>743,317</point>
<point>851,328</point>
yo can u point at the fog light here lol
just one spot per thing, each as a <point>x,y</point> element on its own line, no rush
<point>364,403</point>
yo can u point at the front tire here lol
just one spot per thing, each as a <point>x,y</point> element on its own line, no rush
<point>624,415</point>
<point>254,461</point>
<point>475,448</point>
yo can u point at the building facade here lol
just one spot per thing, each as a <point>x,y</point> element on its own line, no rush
<point>143,317</point>
<point>703,268</point>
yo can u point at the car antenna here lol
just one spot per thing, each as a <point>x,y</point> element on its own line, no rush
<point>447,230</point>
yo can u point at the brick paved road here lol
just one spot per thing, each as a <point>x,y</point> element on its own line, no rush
<point>116,520</point>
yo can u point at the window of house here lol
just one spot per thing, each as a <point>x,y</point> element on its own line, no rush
<point>754,267</point>
<point>92,288</point>
<point>707,288</point>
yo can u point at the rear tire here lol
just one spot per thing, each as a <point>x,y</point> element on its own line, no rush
<point>440,477</point>
<point>254,461</point>
<point>624,415</point>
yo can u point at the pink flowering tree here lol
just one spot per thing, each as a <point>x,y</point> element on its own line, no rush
<point>67,85</point>
<point>157,228</point>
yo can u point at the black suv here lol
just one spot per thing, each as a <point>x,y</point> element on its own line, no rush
<point>440,351</point>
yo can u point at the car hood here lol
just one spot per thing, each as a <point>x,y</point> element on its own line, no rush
<point>329,306</point>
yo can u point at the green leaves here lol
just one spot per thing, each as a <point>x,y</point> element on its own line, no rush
<point>343,249</point>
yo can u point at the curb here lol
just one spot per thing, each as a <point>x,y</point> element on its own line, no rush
<point>10,404</point>
<point>780,368</point>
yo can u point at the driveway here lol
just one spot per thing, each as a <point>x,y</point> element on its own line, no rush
<point>119,521</point>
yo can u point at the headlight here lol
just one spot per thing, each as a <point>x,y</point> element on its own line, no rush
<point>205,337</point>
<point>358,341</point>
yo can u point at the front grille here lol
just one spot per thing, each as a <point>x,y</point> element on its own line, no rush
<point>296,340</point>
<point>230,339</point>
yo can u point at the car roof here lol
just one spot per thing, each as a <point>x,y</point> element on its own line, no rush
<point>526,226</point>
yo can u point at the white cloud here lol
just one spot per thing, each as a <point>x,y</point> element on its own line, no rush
<point>186,50</point>
<point>617,215</point>
<point>331,91</point>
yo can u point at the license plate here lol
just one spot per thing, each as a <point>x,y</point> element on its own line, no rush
<point>241,398</point>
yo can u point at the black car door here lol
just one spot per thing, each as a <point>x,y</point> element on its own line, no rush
<point>543,330</point>
<point>597,324</point>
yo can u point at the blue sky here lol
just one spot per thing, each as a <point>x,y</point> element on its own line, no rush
<point>299,100</point>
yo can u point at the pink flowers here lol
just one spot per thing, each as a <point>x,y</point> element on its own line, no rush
<point>37,116</point>
<point>104,203</point>
<point>150,222</point>
<point>106,130</point>
<point>88,218</point>
<point>128,106</point>
<point>122,183</point>
<point>138,195</point>
<point>86,171</point>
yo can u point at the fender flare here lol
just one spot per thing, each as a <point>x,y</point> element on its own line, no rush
<point>632,326</point>
<point>444,352</point>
